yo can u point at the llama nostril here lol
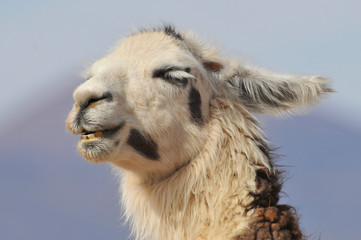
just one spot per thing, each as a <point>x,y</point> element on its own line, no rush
<point>94,100</point>
<point>108,96</point>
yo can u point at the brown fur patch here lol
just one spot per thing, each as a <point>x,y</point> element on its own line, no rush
<point>213,66</point>
<point>277,222</point>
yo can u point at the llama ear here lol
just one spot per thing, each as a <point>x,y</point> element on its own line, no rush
<point>213,66</point>
<point>266,92</point>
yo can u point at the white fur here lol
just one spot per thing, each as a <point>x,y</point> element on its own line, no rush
<point>205,198</point>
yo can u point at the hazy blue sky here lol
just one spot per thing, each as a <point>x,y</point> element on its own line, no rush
<point>45,44</point>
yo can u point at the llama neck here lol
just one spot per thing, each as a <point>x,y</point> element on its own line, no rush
<point>211,196</point>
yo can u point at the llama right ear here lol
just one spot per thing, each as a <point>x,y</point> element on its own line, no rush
<point>266,92</point>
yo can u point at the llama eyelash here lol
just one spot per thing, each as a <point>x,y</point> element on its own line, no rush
<point>174,75</point>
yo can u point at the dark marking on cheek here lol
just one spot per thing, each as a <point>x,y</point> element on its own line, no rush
<point>143,144</point>
<point>195,105</point>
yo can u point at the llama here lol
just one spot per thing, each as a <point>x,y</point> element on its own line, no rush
<point>176,121</point>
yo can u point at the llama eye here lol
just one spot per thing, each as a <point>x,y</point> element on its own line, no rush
<point>173,76</point>
<point>177,80</point>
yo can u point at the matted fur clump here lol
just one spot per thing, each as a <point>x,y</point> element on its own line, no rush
<point>176,120</point>
<point>276,222</point>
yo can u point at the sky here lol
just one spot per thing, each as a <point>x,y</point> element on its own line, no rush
<point>45,45</point>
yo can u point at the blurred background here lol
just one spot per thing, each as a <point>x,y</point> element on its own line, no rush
<point>47,191</point>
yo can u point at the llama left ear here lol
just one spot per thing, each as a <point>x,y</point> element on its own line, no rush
<point>266,92</point>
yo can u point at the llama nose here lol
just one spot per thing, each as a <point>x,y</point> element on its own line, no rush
<point>85,97</point>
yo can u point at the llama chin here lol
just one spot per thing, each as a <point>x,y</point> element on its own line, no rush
<point>176,120</point>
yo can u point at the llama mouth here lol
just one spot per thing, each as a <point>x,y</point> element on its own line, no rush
<point>90,135</point>
<point>106,133</point>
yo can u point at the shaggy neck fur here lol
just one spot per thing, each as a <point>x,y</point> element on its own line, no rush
<point>213,197</point>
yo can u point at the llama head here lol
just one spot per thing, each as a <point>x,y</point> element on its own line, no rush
<point>145,106</point>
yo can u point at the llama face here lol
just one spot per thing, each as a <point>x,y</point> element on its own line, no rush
<point>143,106</point>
